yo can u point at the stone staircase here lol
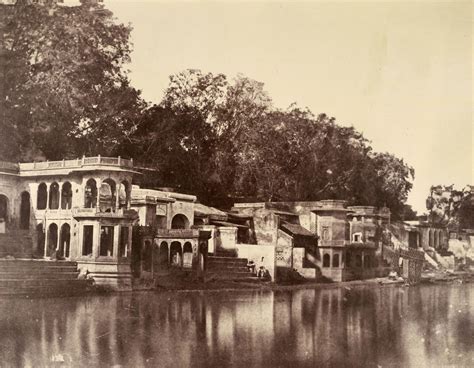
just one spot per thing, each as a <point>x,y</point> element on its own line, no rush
<point>41,278</point>
<point>229,268</point>
<point>17,244</point>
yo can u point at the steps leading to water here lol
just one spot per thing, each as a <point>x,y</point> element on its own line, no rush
<point>41,278</point>
<point>229,268</point>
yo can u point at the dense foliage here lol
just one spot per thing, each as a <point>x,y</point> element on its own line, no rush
<point>67,94</point>
<point>64,86</point>
<point>452,207</point>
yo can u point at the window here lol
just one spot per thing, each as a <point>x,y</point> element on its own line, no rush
<point>335,260</point>
<point>106,248</point>
<point>326,260</point>
<point>357,237</point>
<point>66,196</point>
<point>42,197</point>
<point>87,240</point>
<point>90,194</point>
<point>54,196</point>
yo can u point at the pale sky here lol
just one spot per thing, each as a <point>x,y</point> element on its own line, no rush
<point>400,72</point>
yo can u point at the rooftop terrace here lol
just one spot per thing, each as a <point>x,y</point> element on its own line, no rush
<point>10,167</point>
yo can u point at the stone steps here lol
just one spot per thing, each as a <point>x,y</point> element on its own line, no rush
<point>41,278</point>
<point>229,268</point>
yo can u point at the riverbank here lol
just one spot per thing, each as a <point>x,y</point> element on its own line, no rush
<point>187,284</point>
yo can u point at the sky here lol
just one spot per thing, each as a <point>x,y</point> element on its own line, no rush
<point>400,72</point>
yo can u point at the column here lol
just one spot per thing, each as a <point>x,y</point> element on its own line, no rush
<point>46,239</point>
<point>115,250</point>
<point>99,184</point>
<point>96,242</point>
<point>117,197</point>
<point>363,256</point>
<point>47,195</point>
<point>60,194</point>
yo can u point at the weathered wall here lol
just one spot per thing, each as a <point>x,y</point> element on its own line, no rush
<point>226,238</point>
<point>262,255</point>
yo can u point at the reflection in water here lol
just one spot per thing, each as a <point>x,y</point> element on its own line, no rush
<point>425,326</point>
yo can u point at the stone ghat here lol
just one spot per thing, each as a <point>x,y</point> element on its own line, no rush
<point>41,278</point>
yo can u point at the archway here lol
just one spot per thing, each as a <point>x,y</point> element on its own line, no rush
<point>54,196</point>
<point>326,260</point>
<point>65,240</point>
<point>187,255</point>
<point>176,254</point>
<point>335,260</point>
<point>164,259</point>
<point>42,198</point>
<point>40,240</point>
<point>52,239</point>
<point>25,211</point>
<point>180,222</point>
<point>107,194</point>
<point>124,194</point>
<point>66,196</point>
<point>3,212</point>
<point>147,254</point>
<point>90,194</point>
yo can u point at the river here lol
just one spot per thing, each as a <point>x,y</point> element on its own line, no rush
<point>421,326</point>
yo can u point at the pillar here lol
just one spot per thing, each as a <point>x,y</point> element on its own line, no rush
<point>99,184</point>
<point>47,195</point>
<point>46,237</point>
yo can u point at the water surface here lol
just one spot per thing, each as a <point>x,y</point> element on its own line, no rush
<point>423,326</point>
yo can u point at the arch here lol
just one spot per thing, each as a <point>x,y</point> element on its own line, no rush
<point>326,260</point>
<point>90,194</point>
<point>187,255</point>
<point>164,256</point>
<point>176,254</point>
<point>4,208</point>
<point>52,239</point>
<point>180,221</point>
<point>66,196</point>
<point>107,196</point>
<point>42,197</point>
<point>147,254</point>
<point>40,240</point>
<point>64,241</point>
<point>335,260</point>
<point>54,196</point>
<point>124,194</point>
<point>25,211</point>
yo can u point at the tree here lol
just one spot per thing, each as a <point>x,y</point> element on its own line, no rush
<point>65,89</point>
<point>451,207</point>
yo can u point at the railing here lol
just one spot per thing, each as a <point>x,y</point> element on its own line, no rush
<point>80,162</point>
<point>332,243</point>
<point>8,166</point>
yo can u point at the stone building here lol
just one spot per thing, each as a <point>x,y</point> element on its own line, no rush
<point>71,209</point>
<point>320,238</point>
<point>87,211</point>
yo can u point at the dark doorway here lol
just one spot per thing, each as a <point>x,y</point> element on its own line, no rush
<point>40,240</point>
<point>25,211</point>
<point>65,240</point>
<point>52,239</point>
<point>180,222</point>
<point>106,241</point>
<point>3,208</point>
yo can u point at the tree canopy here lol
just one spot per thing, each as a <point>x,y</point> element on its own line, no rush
<point>224,139</point>
<point>66,92</point>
